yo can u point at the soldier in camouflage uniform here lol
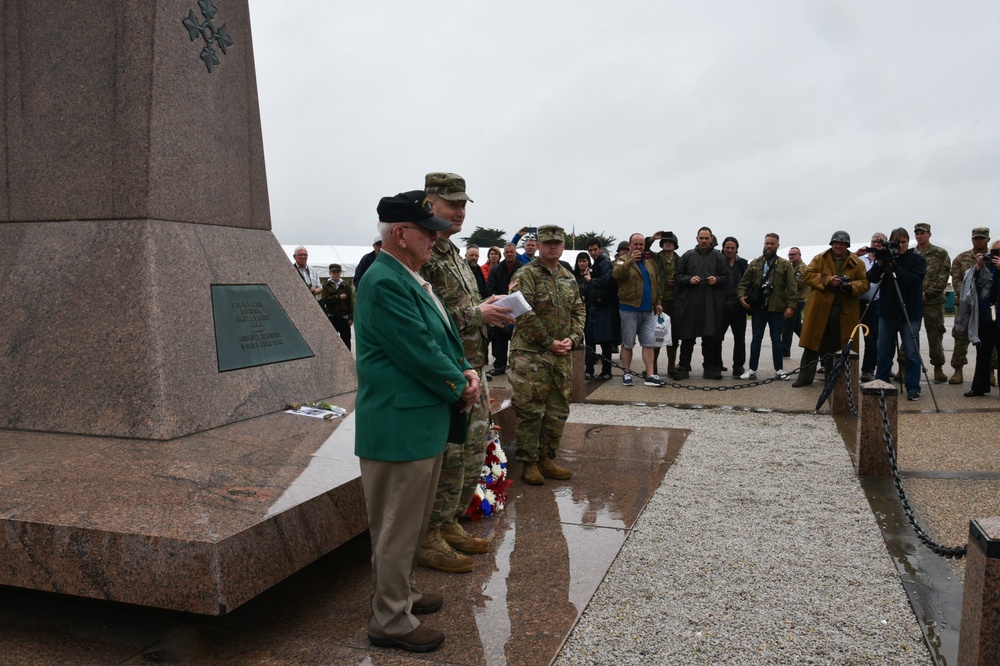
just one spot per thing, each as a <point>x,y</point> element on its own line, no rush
<point>666,262</point>
<point>963,262</point>
<point>541,366</point>
<point>935,281</point>
<point>453,282</point>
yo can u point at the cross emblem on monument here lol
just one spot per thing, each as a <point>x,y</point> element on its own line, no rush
<point>210,33</point>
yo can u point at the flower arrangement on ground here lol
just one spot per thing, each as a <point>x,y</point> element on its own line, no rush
<point>491,492</point>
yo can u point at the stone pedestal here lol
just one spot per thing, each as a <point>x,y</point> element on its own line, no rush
<point>979,639</point>
<point>132,189</point>
<point>840,402</point>
<point>873,457</point>
<point>133,182</point>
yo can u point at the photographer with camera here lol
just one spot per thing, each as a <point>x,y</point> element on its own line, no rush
<point>530,235</point>
<point>902,307</point>
<point>768,290</point>
<point>836,278</point>
<point>638,305</point>
<point>869,309</point>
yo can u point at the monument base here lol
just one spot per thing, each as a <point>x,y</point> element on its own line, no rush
<point>110,330</point>
<point>200,524</point>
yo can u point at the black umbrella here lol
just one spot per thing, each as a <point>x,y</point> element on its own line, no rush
<point>838,367</point>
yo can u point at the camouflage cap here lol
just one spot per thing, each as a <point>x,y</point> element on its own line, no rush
<point>981,232</point>
<point>551,232</point>
<point>921,226</point>
<point>448,186</point>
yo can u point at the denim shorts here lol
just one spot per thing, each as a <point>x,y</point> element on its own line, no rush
<point>638,323</point>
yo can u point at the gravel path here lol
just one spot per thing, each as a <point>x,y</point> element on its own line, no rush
<point>758,548</point>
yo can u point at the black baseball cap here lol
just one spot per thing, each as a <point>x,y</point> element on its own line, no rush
<point>410,207</point>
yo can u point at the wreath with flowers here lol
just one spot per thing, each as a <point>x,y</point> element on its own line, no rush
<point>491,491</point>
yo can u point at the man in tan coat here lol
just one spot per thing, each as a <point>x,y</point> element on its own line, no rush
<point>836,278</point>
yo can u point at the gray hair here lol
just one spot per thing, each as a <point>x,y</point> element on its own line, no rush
<point>385,228</point>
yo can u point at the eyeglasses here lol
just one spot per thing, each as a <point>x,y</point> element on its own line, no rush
<point>429,232</point>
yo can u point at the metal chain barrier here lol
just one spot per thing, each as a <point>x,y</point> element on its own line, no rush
<point>956,552</point>
<point>850,390</point>
<point>735,387</point>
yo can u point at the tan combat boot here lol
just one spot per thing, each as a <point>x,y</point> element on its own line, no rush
<point>550,470</point>
<point>957,377</point>
<point>939,375</point>
<point>531,475</point>
<point>435,553</point>
<point>456,537</point>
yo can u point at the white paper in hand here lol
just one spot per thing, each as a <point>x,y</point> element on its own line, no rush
<point>515,302</point>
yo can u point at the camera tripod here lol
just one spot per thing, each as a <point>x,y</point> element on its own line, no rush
<point>889,272</point>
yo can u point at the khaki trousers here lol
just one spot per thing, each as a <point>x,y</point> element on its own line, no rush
<point>399,496</point>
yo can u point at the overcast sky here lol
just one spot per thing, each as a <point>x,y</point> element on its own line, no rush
<point>800,117</point>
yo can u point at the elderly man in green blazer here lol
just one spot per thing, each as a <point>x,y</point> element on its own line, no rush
<point>414,387</point>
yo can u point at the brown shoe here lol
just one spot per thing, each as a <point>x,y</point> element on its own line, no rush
<point>939,375</point>
<point>421,639</point>
<point>437,554</point>
<point>531,475</point>
<point>957,377</point>
<point>429,602</point>
<point>550,470</point>
<point>462,541</point>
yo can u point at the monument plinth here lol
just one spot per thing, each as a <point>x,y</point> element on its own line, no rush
<point>134,182</point>
<point>145,298</point>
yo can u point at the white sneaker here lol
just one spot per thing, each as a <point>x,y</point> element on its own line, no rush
<point>654,380</point>
<point>627,380</point>
<point>749,374</point>
<point>781,375</point>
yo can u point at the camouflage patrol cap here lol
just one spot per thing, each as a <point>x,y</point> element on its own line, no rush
<point>551,232</point>
<point>981,232</point>
<point>921,226</point>
<point>448,186</point>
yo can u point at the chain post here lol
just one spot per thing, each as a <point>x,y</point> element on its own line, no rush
<point>879,405</point>
<point>839,401</point>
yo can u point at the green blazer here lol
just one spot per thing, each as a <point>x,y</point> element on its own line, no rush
<point>410,363</point>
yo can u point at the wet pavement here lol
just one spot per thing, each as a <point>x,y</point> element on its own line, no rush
<point>552,549</point>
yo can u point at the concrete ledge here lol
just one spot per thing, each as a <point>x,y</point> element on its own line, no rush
<point>200,524</point>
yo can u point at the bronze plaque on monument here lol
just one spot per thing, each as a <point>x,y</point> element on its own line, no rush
<point>251,328</point>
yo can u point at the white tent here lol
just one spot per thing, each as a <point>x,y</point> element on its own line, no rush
<point>348,256</point>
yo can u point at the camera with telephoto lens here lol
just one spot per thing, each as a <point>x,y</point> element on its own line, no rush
<point>889,252</point>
